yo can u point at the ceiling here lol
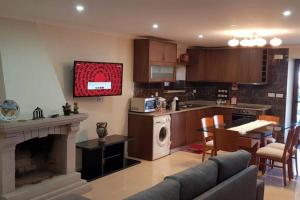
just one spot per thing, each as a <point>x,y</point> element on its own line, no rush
<point>179,20</point>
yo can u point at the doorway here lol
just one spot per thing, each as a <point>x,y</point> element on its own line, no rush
<point>296,93</point>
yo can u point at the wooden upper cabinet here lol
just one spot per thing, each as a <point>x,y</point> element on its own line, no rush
<point>156,51</point>
<point>170,53</point>
<point>195,70</point>
<point>250,65</point>
<point>154,61</point>
<point>243,65</point>
<point>255,65</point>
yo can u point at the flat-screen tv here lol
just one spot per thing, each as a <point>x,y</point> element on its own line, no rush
<point>94,79</point>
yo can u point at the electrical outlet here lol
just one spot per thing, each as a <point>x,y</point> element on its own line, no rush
<point>167,84</point>
<point>156,94</point>
<point>278,57</point>
<point>279,95</point>
<point>271,95</point>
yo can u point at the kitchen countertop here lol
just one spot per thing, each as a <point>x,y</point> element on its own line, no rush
<point>205,105</point>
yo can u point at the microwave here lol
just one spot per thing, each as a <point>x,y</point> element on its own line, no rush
<point>141,104</point>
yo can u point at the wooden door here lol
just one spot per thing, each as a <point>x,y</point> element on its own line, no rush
<point>250,65</point>
<point>193,123</point>
<point>170,53</point>
<point>195,70</point>
<point>156,51</point>
<point>229,70</point>
<point>212,63</point>
<point>178,129</point>
<point>255,65</point>
<point>243,65</point>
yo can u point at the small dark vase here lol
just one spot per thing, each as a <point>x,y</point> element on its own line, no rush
<point>101,130</point>
<point>67,112</point>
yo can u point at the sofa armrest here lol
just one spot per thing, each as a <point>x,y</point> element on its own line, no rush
<point>260,189</point>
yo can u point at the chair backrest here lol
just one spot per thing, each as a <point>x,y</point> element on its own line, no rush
<point>295,139</point>
<point>219,121</point>
<point>288,142</point>
<point>271,118</point>
<point>226,140</point>
<point>208,126</point>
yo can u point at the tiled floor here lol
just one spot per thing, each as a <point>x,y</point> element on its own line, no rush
<point>132,180</point>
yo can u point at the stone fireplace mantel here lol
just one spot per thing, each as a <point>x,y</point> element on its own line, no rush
<point>13,133</point>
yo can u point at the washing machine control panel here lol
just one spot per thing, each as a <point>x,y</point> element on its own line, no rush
<point>162,119</point>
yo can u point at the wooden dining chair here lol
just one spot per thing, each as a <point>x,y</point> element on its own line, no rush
<point>271,118</point>
<point>277,155</point>
<point>293,149</point>
<point>226,140</point>
<point>207,136</point>
<point>219,121</point>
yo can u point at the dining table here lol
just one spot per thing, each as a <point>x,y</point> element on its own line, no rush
<point>253,134</point>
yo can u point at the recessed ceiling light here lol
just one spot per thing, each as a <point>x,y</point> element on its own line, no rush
<point>155,26</point>
<point>233,25</point>
<point>80,8</point>
<point>287,13</point>
<point>200,36</point>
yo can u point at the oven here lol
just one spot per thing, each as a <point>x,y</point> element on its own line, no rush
<point>244,116</point>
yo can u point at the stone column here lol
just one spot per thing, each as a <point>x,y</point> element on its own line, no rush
<point>7,166</point>
<point>65,150</point>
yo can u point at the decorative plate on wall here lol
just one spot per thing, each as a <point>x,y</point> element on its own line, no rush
<point>9,110</point>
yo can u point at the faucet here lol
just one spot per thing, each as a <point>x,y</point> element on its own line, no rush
<point>189,94</point>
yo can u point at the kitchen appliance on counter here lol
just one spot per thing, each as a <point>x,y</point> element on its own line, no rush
<point>142,104</point>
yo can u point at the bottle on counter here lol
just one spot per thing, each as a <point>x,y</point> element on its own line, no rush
<point>174,103</point>
<point>233,100</point>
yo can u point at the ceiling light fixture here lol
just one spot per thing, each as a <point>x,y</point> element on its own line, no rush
<point>155,26</point>
<point>80,8</point>
<point>275,42</point>
<point>233,42</point>
<point>200,36</point>
<point>254,40</point>
<point>287,13</point>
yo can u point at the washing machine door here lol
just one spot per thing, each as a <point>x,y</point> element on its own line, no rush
<point>163,136</point>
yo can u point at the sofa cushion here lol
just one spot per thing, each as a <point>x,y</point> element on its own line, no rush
<point>196,180</point>
<point>166,190</point>
<point>241,186</point>
<point>231,163</point>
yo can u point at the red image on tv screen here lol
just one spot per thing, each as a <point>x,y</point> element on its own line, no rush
<point>97,79</point>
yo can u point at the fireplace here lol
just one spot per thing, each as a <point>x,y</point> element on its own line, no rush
<point>37,158</point>
<point>35,161</point>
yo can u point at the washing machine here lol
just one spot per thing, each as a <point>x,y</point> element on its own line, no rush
<point>161,136</point>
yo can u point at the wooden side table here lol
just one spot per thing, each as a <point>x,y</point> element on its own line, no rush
<point>103,158</point>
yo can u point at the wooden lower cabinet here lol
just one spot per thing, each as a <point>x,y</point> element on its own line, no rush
<point>178,129</point>
<point>226,112</point>
<point>184,126</point>
<point>140,128</point>
<point>193,122</point>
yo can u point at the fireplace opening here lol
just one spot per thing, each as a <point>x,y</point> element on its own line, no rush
<point>35,161</point>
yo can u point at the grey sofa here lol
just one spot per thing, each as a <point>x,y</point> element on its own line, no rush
<point>225,177</point>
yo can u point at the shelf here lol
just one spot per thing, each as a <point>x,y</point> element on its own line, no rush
<point>112,156</point>
<point>127,163</point>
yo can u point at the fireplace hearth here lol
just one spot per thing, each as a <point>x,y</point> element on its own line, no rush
<point>37,158</point>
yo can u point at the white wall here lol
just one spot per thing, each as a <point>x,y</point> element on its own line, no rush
<point>47,48</point>
<point>29,77</point>
<point>2,88</point>
<point>289,94</point>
